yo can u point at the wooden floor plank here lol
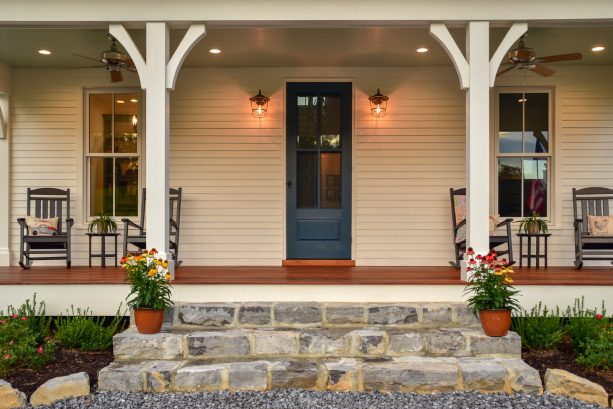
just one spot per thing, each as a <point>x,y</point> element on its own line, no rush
<point>321,275</point>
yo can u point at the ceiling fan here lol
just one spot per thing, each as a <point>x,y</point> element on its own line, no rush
<point>524,58</point>
<point>112,60</point>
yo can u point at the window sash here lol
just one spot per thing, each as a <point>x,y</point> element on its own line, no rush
<point>525,155</point>
<point>111,155</point>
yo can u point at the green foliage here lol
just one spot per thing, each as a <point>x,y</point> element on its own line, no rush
<point>585,324</point>
<point>539,328</point>
<point>598,352</point>
<point>23,338</point>
<point>149,281</point>
<point>79,329</point>
<point>489,287</point>
<point>534,219</point>
<point>102,224</point>
<point>36,315</point>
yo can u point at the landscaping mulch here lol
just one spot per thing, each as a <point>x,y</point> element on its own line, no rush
<point>66,362</point>
<point>564,358</point>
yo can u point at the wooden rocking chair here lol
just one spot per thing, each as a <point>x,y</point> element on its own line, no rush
<point>594,201</point>
<point>495,241</point>
<point>46,203</point>
<point>139,239</point>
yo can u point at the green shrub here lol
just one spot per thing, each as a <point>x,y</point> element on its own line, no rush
<point>36,315</point>
<point>585,324</point>
<point>79,329</point>
<point>539,328</point>
<point>598,352</point>
<point>21,345</point>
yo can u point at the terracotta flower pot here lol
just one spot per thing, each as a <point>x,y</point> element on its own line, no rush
<point>148,321</point>
<point>495,323</point>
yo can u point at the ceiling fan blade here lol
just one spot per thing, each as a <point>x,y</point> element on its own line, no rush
<point>116,76</point>
<point>542,70</point>
<point>86,57</point>
<point>504,71</point>
<point>560,57</point>
<point>82,68</point>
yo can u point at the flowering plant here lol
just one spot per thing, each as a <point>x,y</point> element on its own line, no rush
<point>20,345</point>
<point>490,285</point>
<point>149,281</point>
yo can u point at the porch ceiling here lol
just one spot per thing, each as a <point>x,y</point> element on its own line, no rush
<point>282,46</point>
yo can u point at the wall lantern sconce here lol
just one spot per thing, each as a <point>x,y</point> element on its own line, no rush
<point>378,104</point>
<point>259,105</point>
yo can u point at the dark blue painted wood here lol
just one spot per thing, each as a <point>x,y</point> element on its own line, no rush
<point>316,233</point>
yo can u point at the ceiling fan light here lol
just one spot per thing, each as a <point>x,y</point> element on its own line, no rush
<point>422,50</point>
<point>215,51</point>
<point>44,52</point>
<point>598,48</point>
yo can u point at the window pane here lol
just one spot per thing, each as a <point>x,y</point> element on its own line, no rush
<point>330,180</point>
<point>535,186</point>
<point>510,122</point>
<point>306,173</point>
<point>126,186</point>
<point>100,123</point>
<point>126,123</point>
<point>101,186</point>
<point>536,137</point>
<point>509,187</point>
<point>307,122</point>
<point>331,122</point>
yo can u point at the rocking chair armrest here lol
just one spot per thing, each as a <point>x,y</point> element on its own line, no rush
<point>578,224</point>
<point>24,227</point>
<point>22,221</point>
<point>461,224</point>
<point>129,223</point>
<point>174,224</point>
<point>70,222</point>
<point>505,222</point>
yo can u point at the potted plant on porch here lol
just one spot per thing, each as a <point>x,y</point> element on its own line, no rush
<point>533,224</point>
<point>102,224</point>
<point>491,295</point>
<point>149,281</point>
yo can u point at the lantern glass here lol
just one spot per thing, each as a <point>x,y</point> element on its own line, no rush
<point>378,105</point>
<point>259,105</point>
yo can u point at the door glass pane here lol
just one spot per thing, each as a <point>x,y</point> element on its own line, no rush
<point>126,186</point>
<point>126,123</point>
<point>509,187</point>
<point>101,186</point>
<point>510,122</point>
<point>307,122</point>
<point>535,186</point>
<point>331,122</point>
<point>100,123</point>
<point>306,174</point>
<point>536,137</point>
<point>330,180</point>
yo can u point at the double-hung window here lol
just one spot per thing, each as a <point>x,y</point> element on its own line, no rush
<point>524,152</point>
<point>113,152</point>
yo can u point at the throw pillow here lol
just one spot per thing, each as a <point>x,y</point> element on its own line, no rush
<point>42,227</point>
<point>493,223</point>
<point>600,225</point>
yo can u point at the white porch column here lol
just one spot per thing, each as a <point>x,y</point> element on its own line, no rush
<point>477,73</point>
<point>157,76</point>
<point>4,165</point>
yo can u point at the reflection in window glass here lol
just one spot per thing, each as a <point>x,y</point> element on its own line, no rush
<point>509,187</point>
<point>126,186</point>
<point>126,123</point>
<point>535,186</point>
<point>330,180</point>
<point>100,123</point>
<point>101,186</point>
<point>536,137</point>
<point>306,174</point>
<point>307,122</point>
<point>510,122</point>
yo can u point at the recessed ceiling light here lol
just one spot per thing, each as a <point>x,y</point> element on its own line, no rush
<point>422,50</point>
<point>134,100</point>
<point>215,51</point>
<point>598,48</point>
<point>44,52</point>
<point>120,101</point>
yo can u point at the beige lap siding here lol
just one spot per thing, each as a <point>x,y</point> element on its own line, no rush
<point>232,166</point>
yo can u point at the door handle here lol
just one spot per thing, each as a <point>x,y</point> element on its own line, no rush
<point>289,184</point>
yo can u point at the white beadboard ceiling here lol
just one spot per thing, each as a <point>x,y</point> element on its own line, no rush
<point>278,46</point>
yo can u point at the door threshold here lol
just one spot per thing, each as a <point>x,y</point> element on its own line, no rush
<point>318,263</point>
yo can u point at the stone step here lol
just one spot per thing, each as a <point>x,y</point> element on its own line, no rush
<point>259,343</point>
<point>320,315</point>
<point>406,374</point>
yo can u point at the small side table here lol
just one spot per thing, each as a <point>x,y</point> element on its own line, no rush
<point>103,254</point>
<point>538,256</point>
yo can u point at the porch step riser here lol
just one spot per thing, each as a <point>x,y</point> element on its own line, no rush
<point>318,315</point>
<point>410,374</point>
<point>313,343</point>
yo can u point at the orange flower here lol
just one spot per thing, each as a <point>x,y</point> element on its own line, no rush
<point>153,251</point>
<point>152,272</point>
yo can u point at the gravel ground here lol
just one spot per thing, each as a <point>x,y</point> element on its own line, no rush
<point>321,400</point>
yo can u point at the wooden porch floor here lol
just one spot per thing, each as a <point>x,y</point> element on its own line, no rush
<point>599,276</point>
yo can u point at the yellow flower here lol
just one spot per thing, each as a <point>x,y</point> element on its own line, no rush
<point>508,280</point>
<point>152,272</point>
<point>165,264</point>
<point>167,277</point>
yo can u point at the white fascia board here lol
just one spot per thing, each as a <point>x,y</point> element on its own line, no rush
<point>182,11</point>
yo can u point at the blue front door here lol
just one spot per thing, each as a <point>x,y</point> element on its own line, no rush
<point>319,170</point>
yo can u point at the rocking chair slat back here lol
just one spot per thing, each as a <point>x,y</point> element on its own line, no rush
<point>48,203</point>
<point>595,201</point>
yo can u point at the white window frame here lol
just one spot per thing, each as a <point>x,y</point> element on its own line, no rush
<point>550,154</point>
<point>87,155</point>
